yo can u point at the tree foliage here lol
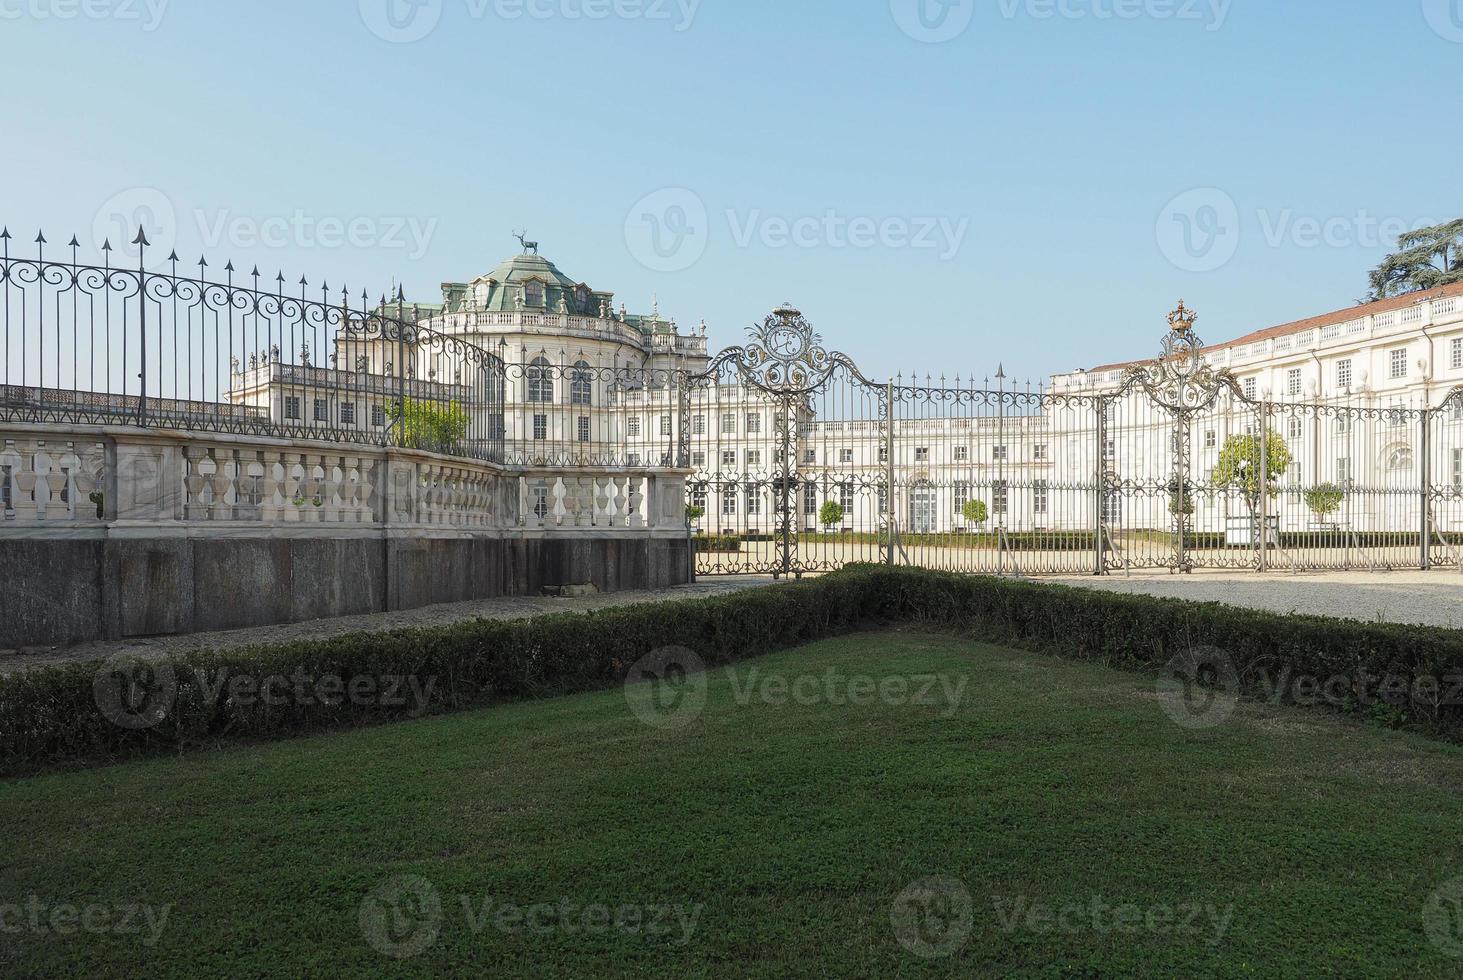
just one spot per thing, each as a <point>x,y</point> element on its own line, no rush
<point>1425,259</point>
<point>1324,499</point>
<point>427,426</point>
<point>831,513</point>
<point>975,511</point>
<point>1239,466</point>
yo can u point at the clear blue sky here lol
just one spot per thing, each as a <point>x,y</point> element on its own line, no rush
<point>1058,143</point>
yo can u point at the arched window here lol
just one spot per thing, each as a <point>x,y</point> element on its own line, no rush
<point>533,293</point>
<point>581,384</point>
<point>541,381</point>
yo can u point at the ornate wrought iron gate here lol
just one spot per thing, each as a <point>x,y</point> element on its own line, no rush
<point>772,491</point>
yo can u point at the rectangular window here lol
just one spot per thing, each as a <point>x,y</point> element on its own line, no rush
<point>962,497</point>
<point>810,499</point>
<point>321,410</point>
<point>1343,471</point>
<point>1038,452</point>
<point>540,426</point>
<point>754,503</point>
<point>922,454</point>
<point>665,425</point>
<point>1343,373</point>
<point>998,453</point>
<point>1397,361</point>
<point>633,425</point>
<point>698,425</point>
<point>378,416</point>
<point>698,497</point>
<point>883,454</point>
<point>729,502</point>
<point>810,455</point>
<point>698,460</point>
<point>845,455</point>
<point>1248,387</point>
<point>729,459</point>
<point>291,407</point>
<point>1040,497</point>
<point>999,496</point>
<point>728,422</point>
<point>633,459</point>
<point>1455,356</point>
<point>1211,439</point>
<point>583,428</point>
<point>754,457</point>
<point>1292,382</point>
<point>845,500</point>
<point>962,454</point>
<point>347,413</point>
<point>1293,429</point>
<point>1458,469</point>
<point>754,422</point>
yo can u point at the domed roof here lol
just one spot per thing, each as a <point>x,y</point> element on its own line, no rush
<point>529,265</point>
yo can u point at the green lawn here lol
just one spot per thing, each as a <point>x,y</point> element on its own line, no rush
<point>770,838</point>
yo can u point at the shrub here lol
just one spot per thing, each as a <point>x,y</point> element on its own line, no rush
<point>49,717</point>
<point>717,542</point>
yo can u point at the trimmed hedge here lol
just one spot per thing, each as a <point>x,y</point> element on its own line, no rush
<point>50,717</point>
<point>706,543</point>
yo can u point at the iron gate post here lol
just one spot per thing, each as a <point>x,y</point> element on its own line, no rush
<point>785,407</point>
<point>889,472</point>
<point>141,242</point>
<point>1100,487</point>
<point>1425,499</point>
<point>1264,488</point>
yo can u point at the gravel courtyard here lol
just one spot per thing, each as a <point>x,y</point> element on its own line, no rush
<point>1415,597</point>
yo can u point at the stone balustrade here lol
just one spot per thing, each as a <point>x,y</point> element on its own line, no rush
<point>127,531</point>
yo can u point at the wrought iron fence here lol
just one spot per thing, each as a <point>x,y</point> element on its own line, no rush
<point>138,346</point>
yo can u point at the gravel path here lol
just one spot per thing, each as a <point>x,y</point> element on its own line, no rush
<point>514,607</point>
<point>1418,598</point>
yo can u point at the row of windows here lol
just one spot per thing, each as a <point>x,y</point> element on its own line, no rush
<point>1398,367</point>
<point>320,411</point>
